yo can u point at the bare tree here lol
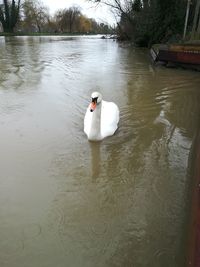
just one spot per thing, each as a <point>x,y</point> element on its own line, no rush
<point>73,13</point>
<point>67,18</point>
<point>35,15</point>
<point>118,7</point>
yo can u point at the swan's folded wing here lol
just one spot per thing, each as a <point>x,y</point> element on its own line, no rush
<point>109,118</point>
<point>87,121</point>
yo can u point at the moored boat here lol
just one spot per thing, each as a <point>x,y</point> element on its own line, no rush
<point>186,55</point>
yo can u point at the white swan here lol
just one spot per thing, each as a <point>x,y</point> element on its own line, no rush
<point>101,118</point>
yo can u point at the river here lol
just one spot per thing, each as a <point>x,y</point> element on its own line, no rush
<point>65,201</point>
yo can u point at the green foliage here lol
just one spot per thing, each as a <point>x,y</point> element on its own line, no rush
<point>137,6</point>
<point>9,14</point>
<point>156,22</point>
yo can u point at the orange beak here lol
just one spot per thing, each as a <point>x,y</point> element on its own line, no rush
<point>92,106</point>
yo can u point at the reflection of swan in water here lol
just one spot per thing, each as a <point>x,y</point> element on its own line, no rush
<point>101,118</point>
<point>95,159</point>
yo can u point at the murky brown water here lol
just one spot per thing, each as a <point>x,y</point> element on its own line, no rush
<point>67,202</point>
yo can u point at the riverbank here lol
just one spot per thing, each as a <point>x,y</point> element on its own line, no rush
<point>194,229</point>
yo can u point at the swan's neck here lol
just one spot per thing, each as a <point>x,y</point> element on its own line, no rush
<point>95,130</point>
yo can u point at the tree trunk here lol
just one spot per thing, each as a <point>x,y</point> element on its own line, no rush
<point>39,27</point>
<point>195,19</point>
<point>198,29</point>
<point>186,18</point>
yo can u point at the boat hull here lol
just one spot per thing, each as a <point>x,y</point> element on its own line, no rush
<point>187,55</point>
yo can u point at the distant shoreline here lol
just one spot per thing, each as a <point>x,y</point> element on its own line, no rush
<point>49,34</point>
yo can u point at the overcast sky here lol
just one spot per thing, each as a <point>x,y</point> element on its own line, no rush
<point>99,13</point>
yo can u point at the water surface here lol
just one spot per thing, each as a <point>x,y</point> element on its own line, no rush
<point>67,202</point>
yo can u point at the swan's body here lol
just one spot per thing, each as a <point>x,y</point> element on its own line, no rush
<point>101,118</point>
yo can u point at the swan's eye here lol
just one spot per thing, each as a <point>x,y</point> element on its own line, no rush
<point>94,99</point>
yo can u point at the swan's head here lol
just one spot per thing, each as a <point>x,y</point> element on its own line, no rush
<point>96,99</point>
